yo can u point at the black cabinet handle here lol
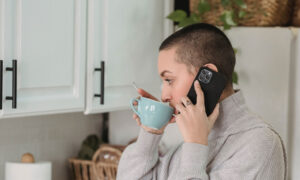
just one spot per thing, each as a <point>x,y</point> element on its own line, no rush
<point>1,82</point>
<point>101,95</point>
<point>14,84</point>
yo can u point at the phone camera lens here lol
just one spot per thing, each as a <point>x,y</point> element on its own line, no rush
<point>202,78</point>
<point>205,76</point>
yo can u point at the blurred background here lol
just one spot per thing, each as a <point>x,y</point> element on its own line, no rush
<point>67,68</point>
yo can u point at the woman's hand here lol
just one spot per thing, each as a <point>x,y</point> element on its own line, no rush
<point>192,121</point>
<point>145,94</point>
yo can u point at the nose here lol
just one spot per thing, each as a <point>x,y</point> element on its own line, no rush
<point>165,99</point>
<point>165,95</point>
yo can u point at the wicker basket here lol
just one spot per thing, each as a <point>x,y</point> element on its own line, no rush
<point>103,166</point>
<point>296,14</point>
<point>258,12</point>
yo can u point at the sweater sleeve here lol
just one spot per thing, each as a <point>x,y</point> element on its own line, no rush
<point>193,161</point>
<point>139,159</point>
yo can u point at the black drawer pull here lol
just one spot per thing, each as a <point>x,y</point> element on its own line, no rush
<point>14,84</point>
<point>101,95</point>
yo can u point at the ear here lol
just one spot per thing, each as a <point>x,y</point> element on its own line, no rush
<point>193,70</point>
<point>211,66</point>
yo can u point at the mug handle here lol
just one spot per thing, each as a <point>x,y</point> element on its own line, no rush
<point>132,106</point>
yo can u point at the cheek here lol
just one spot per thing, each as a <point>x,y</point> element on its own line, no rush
<point>182,90</point>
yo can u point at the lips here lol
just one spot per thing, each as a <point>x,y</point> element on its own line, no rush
<point>172,119</point>
<point>175,110</point>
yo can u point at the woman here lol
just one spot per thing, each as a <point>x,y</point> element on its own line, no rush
<point>232,143</point>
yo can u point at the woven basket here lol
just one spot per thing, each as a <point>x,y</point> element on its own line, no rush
<point>258,12</point>
<point>103,166</point>
<point>296,14</point>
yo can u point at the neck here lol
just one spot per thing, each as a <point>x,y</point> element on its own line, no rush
<point>227,92</point>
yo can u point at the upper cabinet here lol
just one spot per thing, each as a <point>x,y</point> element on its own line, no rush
<point>78,55</point>
<point>124,36</point>
<point>43,48</point>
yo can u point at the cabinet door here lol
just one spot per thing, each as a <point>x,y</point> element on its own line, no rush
<point>126,36</point>
<point>47,38</point>
<point>1,49</point>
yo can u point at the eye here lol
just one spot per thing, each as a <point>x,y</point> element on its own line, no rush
<point>169,81</point>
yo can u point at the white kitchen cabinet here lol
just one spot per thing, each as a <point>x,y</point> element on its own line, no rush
<point>48,40</point>
<point>126,36</point>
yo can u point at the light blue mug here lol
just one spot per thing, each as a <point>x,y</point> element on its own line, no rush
<point>153,114</point>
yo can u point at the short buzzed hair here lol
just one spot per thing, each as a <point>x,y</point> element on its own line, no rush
<point>202,43</point>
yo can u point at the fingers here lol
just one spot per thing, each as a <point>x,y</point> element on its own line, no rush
<point>144,93</point>
<point>134,116</point>
<point>137,119</point>
<point>180,108</point>
<point>135,103</point>
<point>214,115</point>
<point>186,101</point>
<point>200,96</point>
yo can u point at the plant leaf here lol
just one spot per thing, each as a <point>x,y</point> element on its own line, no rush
<point>225,25</point>
<point>235,50</point>
<point>241,14</point>
<point>225,2</point>
<point>195,17</point>
<point>203,6</point>
<point>227,18</point>
<point>177,15</point>
<point>186,21</point>
<point>241,3</point>
<point>235,77</point>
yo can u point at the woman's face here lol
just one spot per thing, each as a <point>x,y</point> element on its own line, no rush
<point>176,79</point>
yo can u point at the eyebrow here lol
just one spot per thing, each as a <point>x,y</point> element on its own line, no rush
<point>162,74</point>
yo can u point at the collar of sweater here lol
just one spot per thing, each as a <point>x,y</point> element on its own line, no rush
<point>234,117</point>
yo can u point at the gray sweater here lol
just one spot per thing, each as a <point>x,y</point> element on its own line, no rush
<point>241,146</point>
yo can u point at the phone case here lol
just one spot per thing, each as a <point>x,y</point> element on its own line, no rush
<point>212,84</point>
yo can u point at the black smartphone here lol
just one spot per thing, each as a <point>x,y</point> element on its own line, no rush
<point>212,84</point>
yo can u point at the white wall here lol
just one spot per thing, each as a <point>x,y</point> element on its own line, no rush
<point>52,138</point>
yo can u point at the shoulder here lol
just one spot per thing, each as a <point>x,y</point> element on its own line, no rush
<point>258,143</point>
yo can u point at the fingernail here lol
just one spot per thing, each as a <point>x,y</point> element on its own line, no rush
<point>197,83</point>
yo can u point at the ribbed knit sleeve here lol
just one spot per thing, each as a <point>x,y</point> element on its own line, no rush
<point>193,161</point>
<point>139,159</point>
